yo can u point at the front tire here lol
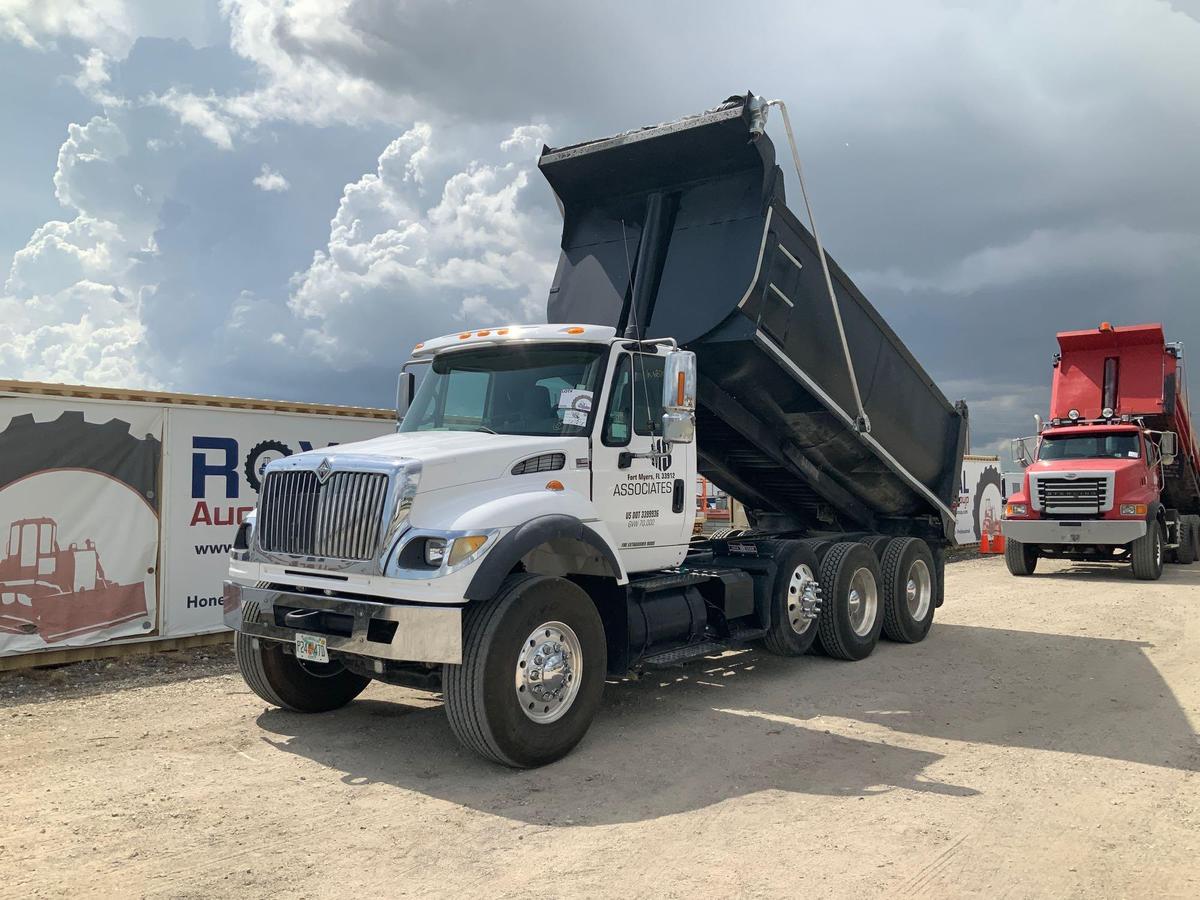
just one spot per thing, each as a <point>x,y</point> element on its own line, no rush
<point>1021,559</point>
<point>795,586</point>
<point>909,590</point>
<point>284,681</point>
<point>1147,554</point>
<point>533,669</point>
<point>851,615</point>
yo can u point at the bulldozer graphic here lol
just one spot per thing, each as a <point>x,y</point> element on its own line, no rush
<point>59,594</point>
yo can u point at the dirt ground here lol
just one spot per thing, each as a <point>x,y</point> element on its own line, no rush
<point>1041,742</point>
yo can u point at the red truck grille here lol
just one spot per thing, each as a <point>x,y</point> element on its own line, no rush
<point>1073,495</point>
<point>340,519</point>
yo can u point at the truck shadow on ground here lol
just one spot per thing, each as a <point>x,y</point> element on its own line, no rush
<point>748,722</point>
<point>1086,571</point>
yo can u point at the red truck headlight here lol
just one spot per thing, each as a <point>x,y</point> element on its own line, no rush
<point>1133,509</point>
<point>1013,510</point>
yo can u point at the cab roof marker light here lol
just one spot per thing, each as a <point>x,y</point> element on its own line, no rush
<point>574,329</point>
<point>464,335</point>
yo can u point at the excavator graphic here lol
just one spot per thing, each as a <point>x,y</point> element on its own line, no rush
<point>59,594</point>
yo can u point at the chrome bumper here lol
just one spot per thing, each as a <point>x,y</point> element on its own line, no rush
<point>1109,532</point>
<point>421,633</point>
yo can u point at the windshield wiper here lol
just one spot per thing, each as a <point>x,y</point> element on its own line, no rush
<point>484,428</point>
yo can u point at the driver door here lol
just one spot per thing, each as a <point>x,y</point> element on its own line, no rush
<point>643,488</point>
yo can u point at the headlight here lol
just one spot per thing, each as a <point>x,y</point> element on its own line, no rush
<point>1016,509</point>
<point>465,546</point>
<point>435,551</point>
<point>1133,509</point>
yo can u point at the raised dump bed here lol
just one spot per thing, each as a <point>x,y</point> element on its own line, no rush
<point>682,230</point>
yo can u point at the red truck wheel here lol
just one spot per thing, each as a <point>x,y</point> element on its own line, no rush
<point>1021,559</point>
<point>1147,554</point>
<point>1185,554</point>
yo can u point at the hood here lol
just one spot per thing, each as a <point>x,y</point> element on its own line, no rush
<point>448,457</point>
<point>1084,465</point>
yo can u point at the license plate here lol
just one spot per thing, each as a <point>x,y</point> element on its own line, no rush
<point>312,647</point>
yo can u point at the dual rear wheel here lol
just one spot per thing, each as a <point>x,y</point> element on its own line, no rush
<point>878,586</point>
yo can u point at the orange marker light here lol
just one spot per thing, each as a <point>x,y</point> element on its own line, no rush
<point>575,329</point>
<point>1106,326</point>
<point>418,347</point>
<point>464,335</point>
<point>680,392</point>
<point>483,333</point>
<point>502,331</point>
<point>554,485</point>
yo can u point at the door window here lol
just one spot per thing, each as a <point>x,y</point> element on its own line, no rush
<point>648,393</point>
<point>617,417</point>
<point>636,399</point>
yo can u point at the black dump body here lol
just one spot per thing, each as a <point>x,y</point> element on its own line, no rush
<point>684,228</point>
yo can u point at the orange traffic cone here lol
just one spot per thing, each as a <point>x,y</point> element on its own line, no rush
<point>998,543</point>
<point>985,543</point>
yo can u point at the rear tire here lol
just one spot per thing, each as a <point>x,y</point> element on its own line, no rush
<point>486,696</point>
<point>878,544</point>
<point>909,590</point>
<point>1196,537</point>
<point>1185,555</point>
<point>851,615</point>
<point>1147,554</point>
<point>819,546</point>
<point>791,634</point>
<point>1021,559</point>
<point>282,680</point>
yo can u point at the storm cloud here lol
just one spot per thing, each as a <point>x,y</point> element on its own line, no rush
<point>279,199</point>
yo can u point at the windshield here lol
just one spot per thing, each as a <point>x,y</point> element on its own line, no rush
<point>1088,446</point>
<point>515,389</point>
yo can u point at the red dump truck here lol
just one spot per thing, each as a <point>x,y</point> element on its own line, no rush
<point>1116,476</point>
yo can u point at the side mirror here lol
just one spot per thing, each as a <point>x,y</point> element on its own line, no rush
<point>679,397</point>
<point>405,385</point>
<point>1037,421</point>
<point>1167,447</point>
<point>1020,452</point>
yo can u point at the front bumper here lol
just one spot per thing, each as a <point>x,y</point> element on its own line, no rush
<point>1107,532</point>
<point>419,633</point>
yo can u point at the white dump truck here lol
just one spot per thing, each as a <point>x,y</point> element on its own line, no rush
<point>526,534</point>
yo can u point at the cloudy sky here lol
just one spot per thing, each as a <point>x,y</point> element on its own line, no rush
<point>278,199</point>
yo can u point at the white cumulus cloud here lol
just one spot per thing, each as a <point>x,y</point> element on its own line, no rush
<point>271,181</point>
<point>403,263</point>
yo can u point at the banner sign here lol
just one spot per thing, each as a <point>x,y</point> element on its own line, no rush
<point>980,499</point>
<point>116,517</point>
<point>79,522</point>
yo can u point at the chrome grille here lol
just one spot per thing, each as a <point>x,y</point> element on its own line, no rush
<point>340,519</point>
<point>1073,495</point>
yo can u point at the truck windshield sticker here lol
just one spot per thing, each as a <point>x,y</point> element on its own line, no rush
<point>575,405</point>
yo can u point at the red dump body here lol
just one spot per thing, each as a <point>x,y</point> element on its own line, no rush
<point>1132,371</point>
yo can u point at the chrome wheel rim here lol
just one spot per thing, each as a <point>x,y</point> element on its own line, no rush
<point>918,592</point>
<point>548,673</point>
<point>863,602</point>
<point>801,584</point>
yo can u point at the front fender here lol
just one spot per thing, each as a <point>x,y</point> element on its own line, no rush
<point>526,537</point>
